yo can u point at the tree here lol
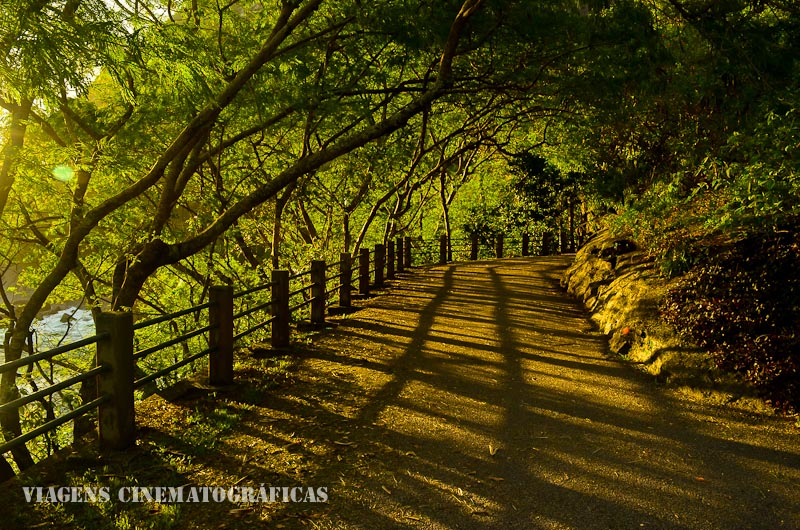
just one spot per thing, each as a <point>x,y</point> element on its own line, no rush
<point>223,85</point>
<point>155,138</point>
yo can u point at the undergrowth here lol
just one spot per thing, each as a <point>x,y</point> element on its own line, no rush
<point>741,301</point>
<point>736,248</point>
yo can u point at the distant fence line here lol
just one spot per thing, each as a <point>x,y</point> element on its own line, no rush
<point>114,337</point>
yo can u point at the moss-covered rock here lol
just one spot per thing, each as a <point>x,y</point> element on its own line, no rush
<point>623,289</point>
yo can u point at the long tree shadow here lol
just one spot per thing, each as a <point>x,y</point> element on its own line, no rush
<point>640,455</point>
<point>490,403</point>
<point>479,396</point>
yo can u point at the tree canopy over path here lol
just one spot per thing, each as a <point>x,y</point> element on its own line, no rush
<point>472,396</point>
<point>150,149</point>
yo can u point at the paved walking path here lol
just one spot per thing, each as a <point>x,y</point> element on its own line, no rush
<point>478,396</point>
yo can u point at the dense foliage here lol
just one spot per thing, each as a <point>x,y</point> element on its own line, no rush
<point>741,303</point>
<point>694,146</point>
<point>535,198</point>
<point>151,149</point>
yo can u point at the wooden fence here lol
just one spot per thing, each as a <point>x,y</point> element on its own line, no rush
<point>116,331</point>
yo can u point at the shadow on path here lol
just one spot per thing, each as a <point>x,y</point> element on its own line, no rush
<point>480,396</point>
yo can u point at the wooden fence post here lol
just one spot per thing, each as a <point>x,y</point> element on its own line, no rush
<point>473,249</point>
<point>442,249</point>
<point>407,253</point>
<point>318,292</point>
<point>499,246</point>
<point>400,254</point>
<point>363,271</point>
<point>116,417</point>
<point>346,279</point>
<point>220,337</point>
<point>280,308</point>
<point>390,260</point>
<point>380,262</point>
<point>526,243</point>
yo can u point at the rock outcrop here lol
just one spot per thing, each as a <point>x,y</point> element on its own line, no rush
<point>620,285</point>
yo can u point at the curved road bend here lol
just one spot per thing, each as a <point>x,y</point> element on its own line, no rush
<point>478,395</point>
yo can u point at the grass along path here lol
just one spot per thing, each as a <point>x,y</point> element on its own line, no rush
<point>471,396</point>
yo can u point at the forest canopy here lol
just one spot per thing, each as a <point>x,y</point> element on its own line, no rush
<point>151,149</point>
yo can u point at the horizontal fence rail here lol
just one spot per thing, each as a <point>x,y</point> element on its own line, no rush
<point>51,425</point>
<point>49,354</point>
<point>274,304</point>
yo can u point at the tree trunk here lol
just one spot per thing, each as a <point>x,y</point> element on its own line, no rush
<point>88,391</point>
<point>571,224</point>
<point>10,153</point>
<point>9,420</point>
<point>387,235</point>
<point>280,204</point>
<point>346,228</point>
<point>390,230</point>
<point>446,212</point>
<point>6,471</point>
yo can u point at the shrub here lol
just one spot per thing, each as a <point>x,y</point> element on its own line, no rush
<point>743,304</point>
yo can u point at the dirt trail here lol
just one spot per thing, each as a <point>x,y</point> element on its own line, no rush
<point>473,395</point>
<point>478,396</point>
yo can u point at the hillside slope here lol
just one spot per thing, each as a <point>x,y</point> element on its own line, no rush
<point>622,288</point>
